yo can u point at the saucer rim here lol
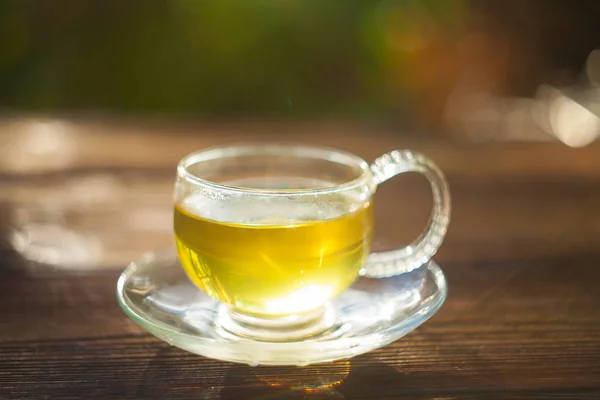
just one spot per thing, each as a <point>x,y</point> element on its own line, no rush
<point>165,332</point>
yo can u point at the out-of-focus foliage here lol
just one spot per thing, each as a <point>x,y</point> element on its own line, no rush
<point>390,59</point>
<point>219,57</point>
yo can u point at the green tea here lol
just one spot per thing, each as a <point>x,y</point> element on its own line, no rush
<point>266,259</point>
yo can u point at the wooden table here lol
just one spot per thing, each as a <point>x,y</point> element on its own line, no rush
<point>522,260</point>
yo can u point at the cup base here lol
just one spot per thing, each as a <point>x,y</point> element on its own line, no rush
<point>156,294</point>
<point>233,324</point>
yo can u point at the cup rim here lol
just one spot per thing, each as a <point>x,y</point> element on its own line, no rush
<point>300,151</point>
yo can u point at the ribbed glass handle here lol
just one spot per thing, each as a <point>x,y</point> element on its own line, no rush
<point>396,262</point>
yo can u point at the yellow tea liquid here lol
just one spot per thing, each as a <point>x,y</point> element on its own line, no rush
<point>265,259</point>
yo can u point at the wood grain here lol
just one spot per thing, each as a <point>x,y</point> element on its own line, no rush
<point>522,318</point>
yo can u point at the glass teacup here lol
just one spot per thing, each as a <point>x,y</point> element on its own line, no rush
<point>274,232</point>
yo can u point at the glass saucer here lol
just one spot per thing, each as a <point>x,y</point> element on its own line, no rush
<point>156,294</point>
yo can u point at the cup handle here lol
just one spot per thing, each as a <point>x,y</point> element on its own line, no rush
<point>396,262</point>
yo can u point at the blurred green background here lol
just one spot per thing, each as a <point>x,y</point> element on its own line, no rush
<point>391,60</point>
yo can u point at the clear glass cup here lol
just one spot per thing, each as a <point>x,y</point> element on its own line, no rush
<point>274,232</point>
